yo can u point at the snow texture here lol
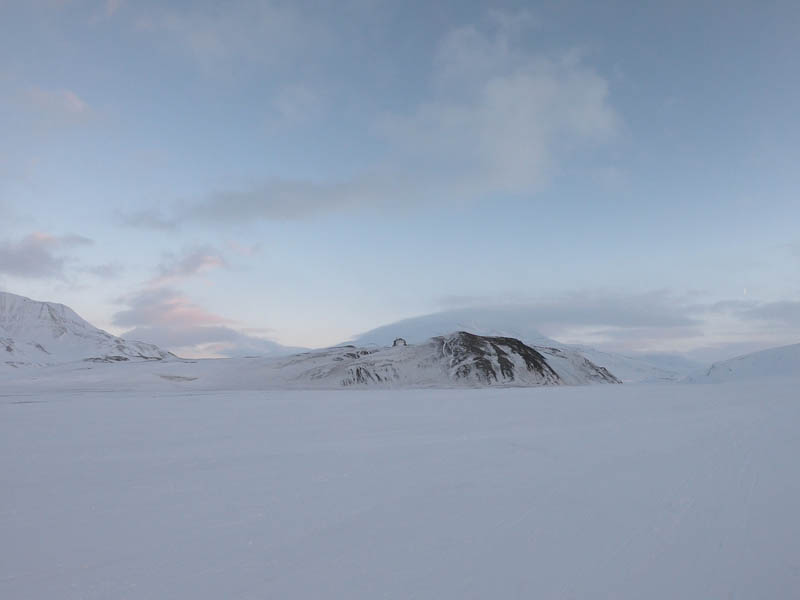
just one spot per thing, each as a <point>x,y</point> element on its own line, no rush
<point>623,492</point>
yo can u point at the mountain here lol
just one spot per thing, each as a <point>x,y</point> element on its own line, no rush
<point>459,358</point>
<point>517,322</point>
<point>780,362</point>
<point>650,368</point>
<point>45,333</point>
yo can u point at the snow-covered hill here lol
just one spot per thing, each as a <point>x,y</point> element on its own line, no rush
<point>456,360</point>
<point>778,362</point>
<point>459,358</point>
<point>641,369</point>
<point>44,333</point>
<point>517,322</point>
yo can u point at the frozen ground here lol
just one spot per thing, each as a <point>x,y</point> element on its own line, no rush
<point>591,492</point>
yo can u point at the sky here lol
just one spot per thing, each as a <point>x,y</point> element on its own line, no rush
<point>222,177</point>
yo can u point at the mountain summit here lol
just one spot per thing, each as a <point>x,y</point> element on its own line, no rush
<point>455,359</point>
<point>45,333</point>
<point>519,322</point>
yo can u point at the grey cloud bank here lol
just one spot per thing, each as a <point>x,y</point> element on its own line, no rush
<point>38,255</point>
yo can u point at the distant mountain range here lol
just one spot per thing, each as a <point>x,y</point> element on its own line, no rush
<point>40,334</point>
<point>469,347</point>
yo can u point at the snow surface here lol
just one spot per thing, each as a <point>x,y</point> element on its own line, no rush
<point>783,361</point>
<point>518,322</point>
<point>657,492</point>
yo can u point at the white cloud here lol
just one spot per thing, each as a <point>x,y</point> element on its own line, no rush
<point>656,321</point>
<point>164,307</point>
<point>38,255</point>
<point>263,32</point>
<point>192,262</point>
<point>499,118</point>
<point>282,200</point>
<point>168,318</point>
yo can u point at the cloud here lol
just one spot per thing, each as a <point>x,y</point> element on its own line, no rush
<point>165,307</point>
<point>193,262</point>
<point>208,341</point>
<point>214,35</point>
<point>147,219</point>
<point>112,6</point>
<point>106,10</point>
<point>290,200</point>
<point>786,312</point>
<point>58,105</point>
<point>793,249</point>
<point>498,118</point>
<point>161,314</point>
<point>295,104</point>
<point>656,321</point>
<point>244,249</point>
<point>105,271</point>
<point>38,255</point>
<point>656,309</point>
<point>167,318</point>
<point>503,118</point>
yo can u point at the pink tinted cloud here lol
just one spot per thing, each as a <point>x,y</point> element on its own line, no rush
<point>164,307</point>
<point>192,263</point>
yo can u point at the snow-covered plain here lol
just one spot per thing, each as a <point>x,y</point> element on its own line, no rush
<point>671,491</point>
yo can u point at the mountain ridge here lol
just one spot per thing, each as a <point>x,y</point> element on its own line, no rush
<point>780,361</point>
<point>35,333</point>
<point>515,322</point>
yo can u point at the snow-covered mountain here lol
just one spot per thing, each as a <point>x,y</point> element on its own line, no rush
<point>517,322</point>
<point>458,358</point>
<point>44,333</point>
<point>651,368</point>
<point>780,362</point>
